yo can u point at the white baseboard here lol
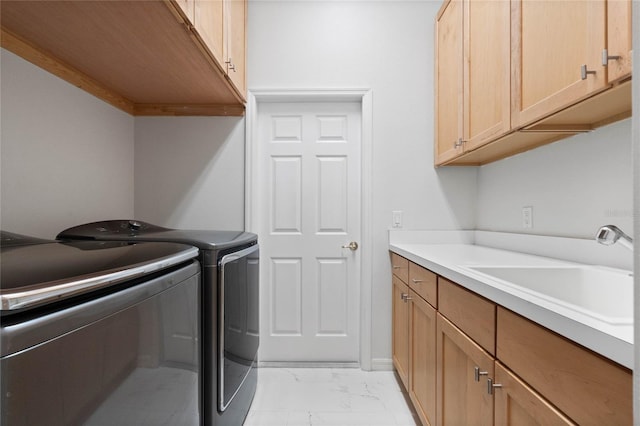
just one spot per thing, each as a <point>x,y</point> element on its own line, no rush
<point>306,364</point>
<point>377,364</point>
<point>381,364</point>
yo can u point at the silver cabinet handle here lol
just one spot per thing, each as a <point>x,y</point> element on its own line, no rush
<point>477,373</point>
<point>491,386</point>
<point>406,297</point>
<point>584,72</point>
<point>606,58</point>
<point>458,143</point>
<point>416,281</point>
<point>232,67</point>
<point>353,246</point>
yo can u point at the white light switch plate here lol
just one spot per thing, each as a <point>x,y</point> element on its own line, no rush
<point>397,219</point>
<point>527,217</point>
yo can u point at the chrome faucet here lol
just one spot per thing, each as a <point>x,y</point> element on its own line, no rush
<point>610,234</point>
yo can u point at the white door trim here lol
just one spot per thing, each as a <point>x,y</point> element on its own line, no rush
<point>252,204</point>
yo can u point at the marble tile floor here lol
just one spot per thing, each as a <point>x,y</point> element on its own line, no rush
<point>328,396</point>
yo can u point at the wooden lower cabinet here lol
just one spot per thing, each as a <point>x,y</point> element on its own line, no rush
<point>472,362</point>
<point>516,404</point>
<point>422,358</point>
<point>400,339</point>
<point>589,389</point>
<point>461,399</point>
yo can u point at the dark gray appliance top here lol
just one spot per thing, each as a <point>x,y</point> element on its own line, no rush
<point>11,239</point>
<point>35,274</point>
<point>135,230</point>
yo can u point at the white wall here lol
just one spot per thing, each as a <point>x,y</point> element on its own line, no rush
<point>386,46</point>
<point>67,157</point>
<point>189,172</point>
<point>574,185</point>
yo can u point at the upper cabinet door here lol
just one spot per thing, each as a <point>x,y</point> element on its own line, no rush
<point>557,55</point>
<point>486,71</point>
<point>187,7</point>
<point>235,45</point>
<point>208,24</point>
<point>449,58</point>
<point>618,39</point>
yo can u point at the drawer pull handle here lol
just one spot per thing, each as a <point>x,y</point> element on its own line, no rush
<point>477,373</point>
<point>397,267</point>
<point>405,297</point>
<point>417,281</point>
<point>491,386</point>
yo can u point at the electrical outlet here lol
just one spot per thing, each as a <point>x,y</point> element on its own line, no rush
<point>527,217</point>
<point>397,219</point>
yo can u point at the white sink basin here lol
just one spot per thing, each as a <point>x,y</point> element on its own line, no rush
<point>601,293</point>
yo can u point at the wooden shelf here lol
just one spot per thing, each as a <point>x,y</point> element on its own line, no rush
<point>143,57</point>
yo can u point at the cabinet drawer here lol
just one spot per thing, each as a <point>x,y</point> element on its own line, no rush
<point>469,312</point>
<point>400,267</point>
<point>424,282</point>
<point>586,387</point>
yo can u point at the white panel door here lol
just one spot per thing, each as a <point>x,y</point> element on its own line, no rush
<point>310,192</point>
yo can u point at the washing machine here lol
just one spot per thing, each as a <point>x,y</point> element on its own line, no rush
<point>230,308</point>
<point>98,332</point>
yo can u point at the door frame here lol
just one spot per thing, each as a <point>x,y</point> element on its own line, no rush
<point>252,205</point>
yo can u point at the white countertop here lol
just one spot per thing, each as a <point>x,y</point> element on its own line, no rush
<point>614,341</point>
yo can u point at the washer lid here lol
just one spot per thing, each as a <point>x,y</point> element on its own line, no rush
<point>135,230</point>
<point>35,274</point>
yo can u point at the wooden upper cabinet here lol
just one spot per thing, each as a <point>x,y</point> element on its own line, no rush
<point>472,76</point>
<point>208,22</point>
<point>144,57</point>
<point>486,71</point>
<point>619,39</point>
<point>556,55</point>
<point>188,8</point>
<point>235,46</point>
<point>448,87</point>
<point>222,26</point>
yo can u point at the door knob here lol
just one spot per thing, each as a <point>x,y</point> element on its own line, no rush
<point>353,246</point>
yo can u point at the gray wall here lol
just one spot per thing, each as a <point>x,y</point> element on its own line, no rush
<point>189,172</point>
<point>574,186</point>
<point>67,157</point>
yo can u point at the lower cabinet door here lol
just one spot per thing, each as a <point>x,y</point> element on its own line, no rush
<point>422,358</point>
<point>462,371</point>
<point>400,342</point>
<point>517,404</point>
